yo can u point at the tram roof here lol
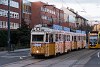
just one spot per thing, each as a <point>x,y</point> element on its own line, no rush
<point>57,28</point>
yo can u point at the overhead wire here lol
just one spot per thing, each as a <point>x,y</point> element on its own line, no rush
<point>80,6</point>
<point>64,3</point>
<point>84,10</point>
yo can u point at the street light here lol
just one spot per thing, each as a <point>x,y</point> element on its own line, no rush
<point>9,26</point>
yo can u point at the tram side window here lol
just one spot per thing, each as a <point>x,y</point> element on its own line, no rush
<point>51,38</point>
<point>47,37</point>
<point>60,37</point>
<point>78,38</point>
<point>56,37</point>
<point>74,38</point>
<point>81,38</point>
<point>68,37</point>
<point>37,37</point>
<point>64,37</point>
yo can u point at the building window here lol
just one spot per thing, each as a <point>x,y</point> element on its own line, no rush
<point>3,24</point>
<point>16,25</point>
<point>0,12</point>
<point>0,24</point>
<point>12,14</point>
<point>12,3</point>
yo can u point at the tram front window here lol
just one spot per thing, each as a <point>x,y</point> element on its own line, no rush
<point>39,38</point>
<point>93,40</point>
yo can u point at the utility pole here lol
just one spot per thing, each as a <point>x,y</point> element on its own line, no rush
<point>9,46</point>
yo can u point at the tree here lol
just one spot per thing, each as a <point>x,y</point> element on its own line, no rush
<point>3,38</point>
<point>24,34</point>
<point>85,27</point>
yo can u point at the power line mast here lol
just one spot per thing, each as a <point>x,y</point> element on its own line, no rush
<point>9,46</point>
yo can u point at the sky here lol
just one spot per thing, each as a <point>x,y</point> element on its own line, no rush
<point>89,9</point>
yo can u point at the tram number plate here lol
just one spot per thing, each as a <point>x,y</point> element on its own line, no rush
<point>37,44</point>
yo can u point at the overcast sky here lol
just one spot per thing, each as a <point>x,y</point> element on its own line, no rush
<point>89,9</point>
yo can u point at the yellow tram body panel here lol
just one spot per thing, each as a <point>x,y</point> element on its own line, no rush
<point>84,44</point>
<point>96,46</point>
<point>45,49</point>
<point>79,44</point>
<point>50,49</point>
<point>40,50</point>
<point>74,45</point>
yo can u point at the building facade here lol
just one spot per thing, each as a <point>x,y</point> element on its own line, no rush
<point>96,27</point>
<point>73,18</point>
<point>80,21</point>
<point>46,14</point>
<point>26,11</point>
<point>69,17</point>
<point>15,14</point>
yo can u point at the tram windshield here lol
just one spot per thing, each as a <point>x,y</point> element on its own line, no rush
<point>93,39</point>
<point>39,38</point>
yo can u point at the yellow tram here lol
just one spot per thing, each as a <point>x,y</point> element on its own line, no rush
<point>94,39</point>
<point>48,42</point>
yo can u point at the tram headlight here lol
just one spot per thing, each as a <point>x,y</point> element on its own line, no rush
<point>38,29</point>
<point>37,51</point>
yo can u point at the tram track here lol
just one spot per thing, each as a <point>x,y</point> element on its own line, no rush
<point>31,63</point>
<point>72,55</point>
<point>28,62</point>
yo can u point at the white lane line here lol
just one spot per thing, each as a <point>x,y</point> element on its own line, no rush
<point>98,54</point>
<point>14,56</point>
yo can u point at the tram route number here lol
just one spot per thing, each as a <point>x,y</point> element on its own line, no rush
<point>37,44</point>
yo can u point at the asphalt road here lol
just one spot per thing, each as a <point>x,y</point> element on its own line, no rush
<point>10,57</point>
<point>81,58</point>
<point>94,60</point>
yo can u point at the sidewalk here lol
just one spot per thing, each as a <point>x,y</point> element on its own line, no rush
<point>18,50</point>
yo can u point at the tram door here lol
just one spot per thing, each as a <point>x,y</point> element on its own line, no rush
<point>50,46</point>
<point>75,42</point>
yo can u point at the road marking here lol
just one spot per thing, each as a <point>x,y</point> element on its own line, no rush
<point>14,56</point>
<point>98,54</point>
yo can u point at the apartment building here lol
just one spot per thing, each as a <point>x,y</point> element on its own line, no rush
<point>69,17</point>
<point>96,27</point>
<point>15,14</point>
<point>45,14</point>
<point>81,21</point>
<point>73,19</point>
